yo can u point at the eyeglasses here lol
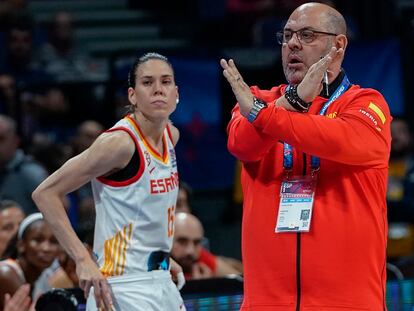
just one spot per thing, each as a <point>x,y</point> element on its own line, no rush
<point>304,35</point>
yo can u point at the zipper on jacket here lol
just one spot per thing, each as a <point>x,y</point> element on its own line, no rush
<point>298,248</point>
<point>298,290</point>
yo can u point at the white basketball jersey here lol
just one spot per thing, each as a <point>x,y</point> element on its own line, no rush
<point>135,217</point>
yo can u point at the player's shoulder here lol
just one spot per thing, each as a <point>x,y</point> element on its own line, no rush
<point>115,142</point>
<point>116,136</point>
<point>7,272</point>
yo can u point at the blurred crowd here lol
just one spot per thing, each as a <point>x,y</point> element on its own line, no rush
<point>32,262</point>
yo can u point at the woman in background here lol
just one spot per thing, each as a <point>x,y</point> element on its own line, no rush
<point>36,248</point>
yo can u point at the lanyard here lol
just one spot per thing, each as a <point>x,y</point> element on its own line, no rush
<point>315,161</point>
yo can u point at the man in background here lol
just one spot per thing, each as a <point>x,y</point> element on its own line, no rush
<point>198,263</point>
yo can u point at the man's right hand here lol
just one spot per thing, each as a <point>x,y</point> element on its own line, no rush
<point>201,271</point>
<point>90,276</point>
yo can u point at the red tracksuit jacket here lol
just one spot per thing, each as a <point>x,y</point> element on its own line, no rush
<point>341,263</point>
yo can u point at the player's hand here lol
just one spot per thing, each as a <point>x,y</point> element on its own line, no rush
<point>311,85</point>
<point>20,300</point>
<point>240,89</point>
<point>90,276</point>
<point>201,271</point>
<point>177,274</point>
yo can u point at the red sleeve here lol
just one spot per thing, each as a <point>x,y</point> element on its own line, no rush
<point>208,259</point>
<point>245,141</point>
<point>358,135</point>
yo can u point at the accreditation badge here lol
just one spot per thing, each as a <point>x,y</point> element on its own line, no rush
<point>296,202</point>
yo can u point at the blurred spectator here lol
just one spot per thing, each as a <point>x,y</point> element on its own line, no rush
<point>121,103</point>
<point>250,6</point>
<point>248,18</point>
<point>19,174</point>
<point>50,154</point>
<point>20,301</point>
<point>242,15</point>
<point>86,208</point>
<point>60,57</point>
<point>400,194</point>
<point>86,134</point>
<point>47,111</point>
<point>9,100</point>
<point>197,263</point>
<point>19,62</point>
<point>65,276</point>
<point>8,9</point>
<point>37,249</point>
<point>62,273</point>
<point>184,198</point>
<point>265,27</point>
<point>11,215</point>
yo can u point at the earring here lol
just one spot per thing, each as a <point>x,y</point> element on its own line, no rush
<point>177,101</point>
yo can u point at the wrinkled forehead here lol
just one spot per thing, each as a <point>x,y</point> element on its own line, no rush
<point>189,232</point>
<point>306,18</point>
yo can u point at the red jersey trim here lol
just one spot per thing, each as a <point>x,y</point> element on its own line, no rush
<point>137,176</point>
<point>170,134</point>
<point>155,153</point>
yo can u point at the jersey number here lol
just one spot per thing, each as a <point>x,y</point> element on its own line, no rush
<point>170,229</point>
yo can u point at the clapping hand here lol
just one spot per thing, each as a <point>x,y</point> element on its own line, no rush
<point>20,301</point>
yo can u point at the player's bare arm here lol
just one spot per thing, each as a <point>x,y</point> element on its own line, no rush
<point>111,151</point>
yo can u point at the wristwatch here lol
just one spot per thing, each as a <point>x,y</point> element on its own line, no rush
<point>292,97</point>
<point>258,105</point>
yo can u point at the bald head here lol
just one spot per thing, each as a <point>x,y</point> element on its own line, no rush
<point>330,19</point>
<point>185,222</point>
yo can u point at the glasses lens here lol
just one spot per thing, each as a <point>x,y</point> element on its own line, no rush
<point>306,35</point>
<point>287,35</point>
<point>279,37</point>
